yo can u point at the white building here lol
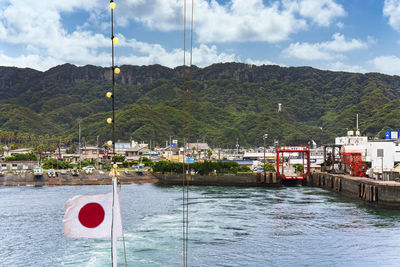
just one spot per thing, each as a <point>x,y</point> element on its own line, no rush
<point>382,155</point>
<point>353,143</point>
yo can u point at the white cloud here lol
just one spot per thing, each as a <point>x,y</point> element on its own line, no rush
<point>325,50</point>
<point>321,12</point>
<point>261,62</point>
<point>246,21</point>
<point>235,20</point>
<point>147,54</point>
<point>387,64</point>
<point>340,66</point>
<point>391,9</point>
<point>47,39</point>
<point>141,53</point>
<point>307,51</point>
<point>37,25</point>
<point>339,44</point>
<point>155,14</point>
<point>32,61</point>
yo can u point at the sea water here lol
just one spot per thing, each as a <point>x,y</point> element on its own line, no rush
<point>295,226</point>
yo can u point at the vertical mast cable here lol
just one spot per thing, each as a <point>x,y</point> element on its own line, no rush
<point>189,128</point>
<point>183,138</point>
<point>113,78</point>
<point>113,133</point>
<point>113,141</point>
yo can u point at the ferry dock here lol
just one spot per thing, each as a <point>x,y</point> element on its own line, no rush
<point>373,192</point>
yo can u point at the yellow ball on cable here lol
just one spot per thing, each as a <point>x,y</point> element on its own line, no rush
<point>112,5</point>
<point>115,40</point>
<point>117,70</point>
<point>109,120</point>
<point>109,94</point>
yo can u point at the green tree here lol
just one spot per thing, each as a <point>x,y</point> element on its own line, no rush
<point>269,167</point>
<point>209,153</point>
<point>118,158</point>
<point>72,149</point>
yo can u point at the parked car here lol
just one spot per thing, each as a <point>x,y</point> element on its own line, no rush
<point>37,171</point>
<point>75,172</point>
<point>51,173</point>
<point>63,172</point>
<point>88,169</point>
<point>140,169</point>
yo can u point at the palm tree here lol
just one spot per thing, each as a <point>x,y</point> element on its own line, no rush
<point>19,137</point>
<point>32,138</point>
<point>11,136</point>
<point>209,153</point>
<point>26,138</point>
<point>193,151</point>
<point>47,139</point>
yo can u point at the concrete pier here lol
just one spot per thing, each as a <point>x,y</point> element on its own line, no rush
<point>243,179</point>
<point>373,192</point>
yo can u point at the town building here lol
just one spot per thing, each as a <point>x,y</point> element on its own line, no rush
<point>91,153</point>
<point>17,165</point>
<point>136,152</point>
<point>380,155</point>
<point>8,153</point>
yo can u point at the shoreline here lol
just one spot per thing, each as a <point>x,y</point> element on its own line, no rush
<point>384,194</point>
<point>28,179</point>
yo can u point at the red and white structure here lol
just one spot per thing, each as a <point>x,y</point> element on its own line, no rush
<point>285,152</point>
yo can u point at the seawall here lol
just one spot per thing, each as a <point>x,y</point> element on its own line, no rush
<point>373,192</point>
<point>243,180</point>
<point>28,179</point>
<point>376,193</point>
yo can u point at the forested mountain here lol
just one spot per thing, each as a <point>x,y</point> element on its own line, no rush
<point>228,101</point>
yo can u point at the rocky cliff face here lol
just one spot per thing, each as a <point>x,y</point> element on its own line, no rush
<point>15,80</point>
<point>234,100</point>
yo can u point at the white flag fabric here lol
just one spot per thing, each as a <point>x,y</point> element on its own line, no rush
<point>90,216</point>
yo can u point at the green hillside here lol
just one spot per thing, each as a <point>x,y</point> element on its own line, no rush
<point>229,101</point>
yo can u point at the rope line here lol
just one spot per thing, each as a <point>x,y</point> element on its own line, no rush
<point>184,258</point>
<point>113,87</point>
<point>123,234</point>
<point>113,135</point>
<point>186,108</point>
<point>112,227</point>
<point>189,132</point>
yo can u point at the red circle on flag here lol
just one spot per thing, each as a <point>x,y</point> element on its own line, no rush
<point>91,215</point>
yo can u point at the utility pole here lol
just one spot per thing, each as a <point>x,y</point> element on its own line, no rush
<point>357,123</point>
<point>237,148</point>
<point>79,148</point>
<point>98,151</point>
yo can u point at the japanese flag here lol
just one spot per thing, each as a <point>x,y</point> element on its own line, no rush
<point>90,216</point>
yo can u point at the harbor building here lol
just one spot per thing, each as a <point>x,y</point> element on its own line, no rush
<point>380,155</point>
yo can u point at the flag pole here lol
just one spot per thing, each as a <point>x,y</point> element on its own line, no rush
<point>114,218</point>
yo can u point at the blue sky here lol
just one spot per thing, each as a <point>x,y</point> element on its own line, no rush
<point>341,35</point>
